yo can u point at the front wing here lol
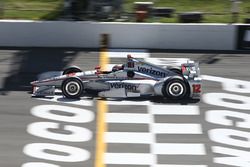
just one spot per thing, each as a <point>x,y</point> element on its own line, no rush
<point>43,91</point>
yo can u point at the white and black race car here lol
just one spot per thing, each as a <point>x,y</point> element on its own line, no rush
<point>135,78</point>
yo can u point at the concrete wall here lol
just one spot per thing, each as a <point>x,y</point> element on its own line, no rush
<point>129,35</point>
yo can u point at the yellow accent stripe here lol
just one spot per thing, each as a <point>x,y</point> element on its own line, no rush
<point>102,109</point>
<point>104,59</point>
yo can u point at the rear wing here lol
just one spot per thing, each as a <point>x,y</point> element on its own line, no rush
<point>161,67</point>
<point>132,62</point>
<point>147,68</point>
<point>169,62</point>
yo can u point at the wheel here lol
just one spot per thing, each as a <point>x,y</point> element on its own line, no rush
<point>72,88</point>
<point>72,69</point>
<point>175,89</point>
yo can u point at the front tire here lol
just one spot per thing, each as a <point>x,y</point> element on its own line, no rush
<point>72,88</point>
<point>175,89</point>
<point>73,69</point>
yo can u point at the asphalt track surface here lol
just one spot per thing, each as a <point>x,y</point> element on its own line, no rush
<point>194,136</point>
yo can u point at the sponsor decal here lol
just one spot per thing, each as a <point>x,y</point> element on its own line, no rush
<point>129,87</point>
<point>243,37</point>
<point>152,71</point>
<point>196,88</point>
<point>231,137</point>
<point>56,122</point>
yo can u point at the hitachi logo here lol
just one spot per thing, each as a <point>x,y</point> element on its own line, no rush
<point>123,85</point>
<point>151,71</point>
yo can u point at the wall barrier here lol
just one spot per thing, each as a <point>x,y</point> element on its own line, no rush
<point>121,35</point>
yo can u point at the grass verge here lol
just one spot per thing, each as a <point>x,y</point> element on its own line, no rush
<point>217,11</point>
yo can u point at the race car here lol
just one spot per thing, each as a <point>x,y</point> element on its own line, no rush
<point>135,78</point>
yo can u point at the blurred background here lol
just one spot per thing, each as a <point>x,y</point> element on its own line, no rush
<point>163,11</point>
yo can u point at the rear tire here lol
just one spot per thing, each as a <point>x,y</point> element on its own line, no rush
<point>175,89</point>
<point>72,88</point>
<point>177,71</point>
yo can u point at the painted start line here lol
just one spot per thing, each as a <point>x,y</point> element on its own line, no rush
<point>230,142</point>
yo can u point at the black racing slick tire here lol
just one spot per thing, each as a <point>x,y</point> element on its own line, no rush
<point>177,71</point>
<point>72,88</point>
<point>73,69</point>
<point>175,89</point>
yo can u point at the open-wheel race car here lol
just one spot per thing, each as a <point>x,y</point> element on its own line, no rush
<point>135,78</point>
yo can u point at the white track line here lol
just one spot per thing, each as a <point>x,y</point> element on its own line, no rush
<point>127,118</point>
<point>179,149</point>
<point>128,137</point>
<point>128,158</point>
<point>61,99</point>
<point>174,110</point>
<point>129,103</point>
<point>174,128</point>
